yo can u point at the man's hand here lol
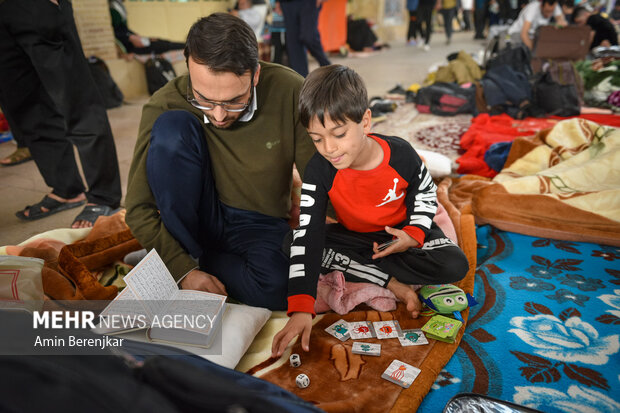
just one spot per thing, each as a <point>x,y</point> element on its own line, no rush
<point>55,2</point>
<point>403,244</point>
<point>201,281</point>
<point>299,323</point>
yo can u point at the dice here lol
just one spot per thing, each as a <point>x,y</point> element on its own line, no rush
<point>295,360</point>
<point>302,381</point>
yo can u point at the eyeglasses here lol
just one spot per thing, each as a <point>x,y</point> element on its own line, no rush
<point>204,104</point>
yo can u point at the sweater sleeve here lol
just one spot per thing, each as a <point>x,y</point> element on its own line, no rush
<point>309,237</point>
<point>142,212</point>
<point>421,198</point>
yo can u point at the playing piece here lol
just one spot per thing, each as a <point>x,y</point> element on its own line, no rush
<point>340,330</point>
<point>413,337</point>
<point>387,329</point>
<point>361,330</point>
<point>401,373</point>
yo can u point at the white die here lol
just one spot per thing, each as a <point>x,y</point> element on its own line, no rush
<point>302,381</point>
<point>295,360</point>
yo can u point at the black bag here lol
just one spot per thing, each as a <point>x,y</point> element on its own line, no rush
<point>446,99</point>
<point>159,71</point>
<point>516,56</point>
<point>110,93</point>
<point>556,99</point>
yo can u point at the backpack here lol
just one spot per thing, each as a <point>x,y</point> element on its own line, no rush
<point>516,56</point>
<point>446,99</point>
<point>554,98</point>
<point>159,71</point>
<point>110,93</point>
<point>506,91</point>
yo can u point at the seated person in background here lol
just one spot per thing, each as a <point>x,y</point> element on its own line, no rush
<point>210,182</point>
<point>603,32</point>
<point>380,190</point>
<point>132,42</point>
<point>532,16</point>
<point>360,36</point>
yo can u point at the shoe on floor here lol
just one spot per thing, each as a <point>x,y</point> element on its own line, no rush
<point>427,48</point>
<point>50,204</point>
<point>20,155</point>
<point>90,213</point>
<point>411,42</point>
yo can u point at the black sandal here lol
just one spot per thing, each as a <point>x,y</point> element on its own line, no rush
<point>53,206</point>
<point>90,213</point>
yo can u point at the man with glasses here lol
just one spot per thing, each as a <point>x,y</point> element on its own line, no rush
<point>210,182</point>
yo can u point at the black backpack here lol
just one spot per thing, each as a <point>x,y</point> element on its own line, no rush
<point>516,56</point>
<point>159,71</point>
<point>446,99</point>
<point>110,93</point>
<point>554,98</point>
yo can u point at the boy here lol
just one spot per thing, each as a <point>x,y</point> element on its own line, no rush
<point>380,190</point>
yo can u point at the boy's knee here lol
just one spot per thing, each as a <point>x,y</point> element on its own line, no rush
<point>456,267</point>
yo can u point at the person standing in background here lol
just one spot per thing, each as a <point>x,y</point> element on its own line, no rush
<point>414,24</point>
<point>425,16</point>
<point>480,18</point>
<point>467,6</point>
<point>448,11</point>
<point>277,31</point>
<point>47,89</point>
<point>301,19</point>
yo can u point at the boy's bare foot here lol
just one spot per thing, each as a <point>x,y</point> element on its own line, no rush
<point>407,295</point>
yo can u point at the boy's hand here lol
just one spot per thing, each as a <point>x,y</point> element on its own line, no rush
<point>403,244</point>
<point>299,323</point>
<point>202,281</point>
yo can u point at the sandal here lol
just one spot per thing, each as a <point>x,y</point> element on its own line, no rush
<point>36,211</point>
<point>90,213</point>
<point>20,155</point>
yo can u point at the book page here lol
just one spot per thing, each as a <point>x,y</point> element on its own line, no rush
<point>151,281</point>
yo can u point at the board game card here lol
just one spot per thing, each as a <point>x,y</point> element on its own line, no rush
<point>401,373</point>
<point>340,330</point>
<point>361,330</point>
<point>413,337</point>
<point>387,329</point>
<point>366,349</point>
<point>442,328</point>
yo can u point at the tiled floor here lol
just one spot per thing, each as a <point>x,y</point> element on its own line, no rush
<point>22,185</point>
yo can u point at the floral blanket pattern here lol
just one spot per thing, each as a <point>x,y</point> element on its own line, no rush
<point>546,333</point>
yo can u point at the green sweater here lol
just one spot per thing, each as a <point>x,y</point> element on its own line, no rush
<point>252,161</point>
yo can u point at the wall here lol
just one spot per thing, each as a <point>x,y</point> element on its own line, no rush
<point>92,18</point>
<point>170,19</point>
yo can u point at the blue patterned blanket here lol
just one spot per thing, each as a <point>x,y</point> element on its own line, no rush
<point>546,332</point>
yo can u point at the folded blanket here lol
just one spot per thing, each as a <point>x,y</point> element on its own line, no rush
<point>563,183</point>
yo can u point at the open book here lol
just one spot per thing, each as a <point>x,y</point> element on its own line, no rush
<point>153,301</point>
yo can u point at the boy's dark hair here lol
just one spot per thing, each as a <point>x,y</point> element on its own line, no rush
<point>224,43</point>
<point>549,2</point>
<point>579,10</point>
<point>334,90</point>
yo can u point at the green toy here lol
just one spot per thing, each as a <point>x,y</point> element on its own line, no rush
<point>446,299</point>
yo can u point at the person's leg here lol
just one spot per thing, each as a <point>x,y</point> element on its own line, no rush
<point>297,55</point>
<point>448,16</point>
<point>438,261</point>
<point>71,86</point>
<point>309,31</point>
<point>411,34</point>
<point>276,42</point>
<point>179,173</point>
<point>159,46</point>
<point>28,104</point>
<point>467,20</point>
<point>250,260</point>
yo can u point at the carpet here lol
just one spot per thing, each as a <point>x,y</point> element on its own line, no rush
<point>546,331</point>
<point>425,131</point>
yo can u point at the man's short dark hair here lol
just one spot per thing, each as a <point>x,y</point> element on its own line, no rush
<point>549,2</point>
<point>224,43</point>
<point>334,90</point>
<point>579,11</point>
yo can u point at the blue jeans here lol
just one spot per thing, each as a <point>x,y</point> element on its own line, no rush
<point>243,249</point>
